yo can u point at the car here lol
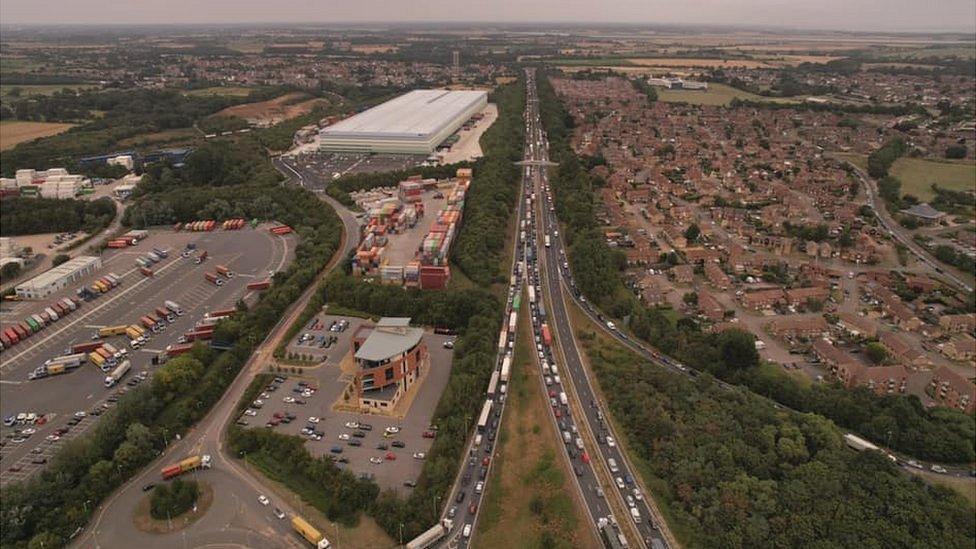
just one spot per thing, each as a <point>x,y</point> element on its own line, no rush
<point>452,512</point>
<point>915,464</point>
<point>365,427</point>
<point>630,501</point>
<point>628,479</point>
<point>288,400</point>
<point>473,508</point>
<point>410,483</point>
<point>263,499</point>
<point>278,513</point>
<point>39,460</point>
<point>600,493</point>
<point>479,487</point>
<point>300,401</point>
<point>390,456</point>
<point>355,442</point>
<point>148,487</point>
<point>344,436</point>
<point>392,429</point>
<point>80,414</point>
<point>467,530</point>
<point>939,469</point>
<point>610,441</point>
<point>28,431</point>
<point>336,449</point>
<point>388,435</point>
<point>585,457</point>
<point>313,419</point>
<point>620,482</point>
<point>382,446</point>
<point>37,450</point>
<point>428,434</point>
<point>359,434</point>
<point>448,344</point>
<point>242,422</point>
<point>638,495</point>
<point>460,497</point>
<point>486,461</point>
<point>375,460</point>
<point>9,420</point>
<point>251,413</point>
<point>15,468</point>
<point>352,425</point>
<point>50,438</point>
<point>419,455</point>
<point>398,444</point>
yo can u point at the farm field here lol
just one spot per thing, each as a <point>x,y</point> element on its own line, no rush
<point>717,94</point>
<point>918,174</point>
<point>14,132</point>
<point>273,111</point>
<point>47,89</point>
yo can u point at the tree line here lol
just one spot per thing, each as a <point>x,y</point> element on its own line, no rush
<point>22,215</point>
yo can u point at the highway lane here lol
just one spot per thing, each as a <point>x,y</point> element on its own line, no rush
<point>238,488</point>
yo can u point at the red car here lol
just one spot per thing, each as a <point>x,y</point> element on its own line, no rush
<point>552,393</point>
<point>473,509</point>
<point>428,434</point>
<point>278,415</point>
<point>585,457</point>
<point>558,414</point>
<point>486,461</point>
<point>390,456</point>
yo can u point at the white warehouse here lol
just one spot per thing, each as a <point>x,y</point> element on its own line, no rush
<point>414,123</point>
<point>59,277</point>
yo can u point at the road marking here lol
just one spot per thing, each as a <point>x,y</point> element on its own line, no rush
<point>6,382</point>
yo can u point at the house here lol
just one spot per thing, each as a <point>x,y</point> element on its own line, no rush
<point>961,347</point>
<point>900,349</point>
<point>884,380</point>
<point>710,307</point>
<point>924,213</point>
<point>833,359</point>
<point>763,299</point>
<point>798,297</point>
<point>857,325</point>
<point>683,274</point>
<point>793,326</point>
<point>902,315</point>
<point>958,324</point>
<point>952,390</point>
<point>715,275</point>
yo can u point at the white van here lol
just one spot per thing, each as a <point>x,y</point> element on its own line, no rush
<point>635,514</point>
<point>467,530</point>
<point>613,465</point>
<point>555,370</point>
<point>477,440</point>
<point>567,438</point>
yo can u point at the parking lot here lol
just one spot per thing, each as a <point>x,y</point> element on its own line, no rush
<point>322,167</point>
<point>251,254</point>
<point>319,388</point>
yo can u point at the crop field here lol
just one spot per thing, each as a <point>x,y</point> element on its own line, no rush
<point>14,132</point>
<point>701,63</point>
<point>715,95</point>
<point>273,111</point>
<point>918,174</point>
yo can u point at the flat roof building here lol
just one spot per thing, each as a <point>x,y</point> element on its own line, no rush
<point>390,357</point>
<point>59,277</point>
<point>413,123</point>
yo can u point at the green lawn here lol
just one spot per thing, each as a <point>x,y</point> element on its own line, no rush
<point>917,176</point>
<point>717,94</point>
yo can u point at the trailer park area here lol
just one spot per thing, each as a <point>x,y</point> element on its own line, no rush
<point>53,382</point>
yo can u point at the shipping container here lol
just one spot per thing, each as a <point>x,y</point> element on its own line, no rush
<point>220,313</point>
<point>211,277</point>
<point>224,271</point>
<point>109,331</point>
<point>260,285</point>
<point>85,347</point>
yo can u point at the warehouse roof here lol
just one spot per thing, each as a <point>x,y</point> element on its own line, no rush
<point>57,273</point>
<point>392,336</point>
<point>418,113</point>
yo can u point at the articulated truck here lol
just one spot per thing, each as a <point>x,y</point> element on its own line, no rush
<point>185,466</point>
<point>309,532</point>
<point>431,536</point>
<point>174,307</point>
<point>118,373</point>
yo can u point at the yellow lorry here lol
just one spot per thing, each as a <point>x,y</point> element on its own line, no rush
<point>309,532</point>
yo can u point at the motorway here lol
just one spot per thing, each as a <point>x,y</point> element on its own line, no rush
<point>236,518</point>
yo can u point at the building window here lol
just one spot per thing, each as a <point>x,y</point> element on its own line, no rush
<point>389,374</point>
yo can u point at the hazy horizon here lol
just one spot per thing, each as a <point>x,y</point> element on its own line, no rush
<point>950,16</point>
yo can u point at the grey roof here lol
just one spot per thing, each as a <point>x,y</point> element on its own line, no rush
<point>923,210</point>
<point>391,337</point>
<point>419,113</point>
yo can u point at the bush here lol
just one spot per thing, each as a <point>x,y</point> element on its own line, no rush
<point>955,152</point>
<point>172,500</point>
<point>59,259</point>
<point>21,216</point>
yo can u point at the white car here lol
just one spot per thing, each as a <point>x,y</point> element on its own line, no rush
<point>638,495</point>
<point>548,380</point>
<point>630,501</point>
<point>30,431</point>
<point>939,469</point>
<point>344,436</point>
<point>479,487</point>
<point>258,403</point>
<point>393,430</point>
<point>620,482</point>
<point>313,419</point>
<point>288,399</point>
<point>419,455</point>
<point>352,425</point>
<point>375,460</point>
<point>557,380</point>
<point>80,415</point>
<point>610,442</point>
<point>250,412</point>
<point>263,499</point>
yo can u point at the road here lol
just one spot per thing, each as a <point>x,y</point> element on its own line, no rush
<point>896,232</point>
<point>236,518</point>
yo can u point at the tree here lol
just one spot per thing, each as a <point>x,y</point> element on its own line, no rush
<point>955,151</point>
<point>876,352</point>
<point>692,233</point>
<point>690,299</point>
<point>738,349</point>
<point>10,270</point>
<point>59,259</point>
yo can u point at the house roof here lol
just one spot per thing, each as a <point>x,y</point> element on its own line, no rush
<point>924,210</point>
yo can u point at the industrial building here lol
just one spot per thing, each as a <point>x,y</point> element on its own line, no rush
<point>414,123</point>
<point>390,358</point>
<point>52,183</point>
<point>59,277</point>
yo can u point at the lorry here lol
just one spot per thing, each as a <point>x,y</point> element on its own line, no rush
<point>85,347</point>
<point>110,331</point>
<point>220,313</point>
<point>143,262</point>
<point>191,463</point>
<point>431,536</point>
<point>71,361</point>
<point>211,277</point>
<point>173,306</point>
<point>196,336</point>
<point>118,373</point>
<point>147,322</point>
<point>151,256</point>
<point>201,258</point>
<point>132,332</point>
<point>52,314</point>
<point>281,230</point>
<point>309,532</point>
<point>546,335</point>
<point>176,350</point>
<point>224,271</point>
<point>259,285</point>
<point>162,313</point>
<point>859,443</point>
<point>97,359</point>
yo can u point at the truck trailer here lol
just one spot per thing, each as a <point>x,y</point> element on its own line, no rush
<point>118,373</point>
<point>185,466</point>
<point>309,532</point>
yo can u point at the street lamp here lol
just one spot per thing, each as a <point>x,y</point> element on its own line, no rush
<point>401,533</point>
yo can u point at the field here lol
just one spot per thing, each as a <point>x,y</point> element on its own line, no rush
<point>717,94</point>
<point>964,486</point>
<point>529,500</point>
<point>166,136</point>
<point>917,176</point>
<point>50,89</point>
<point>231,91</point>
<point>701,63</point>
<point>273,111</point>
<point>14,132</point>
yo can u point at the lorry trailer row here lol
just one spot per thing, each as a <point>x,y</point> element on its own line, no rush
<point>19,331</point>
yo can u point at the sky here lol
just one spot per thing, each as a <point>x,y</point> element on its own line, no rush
<point>865,15</point>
